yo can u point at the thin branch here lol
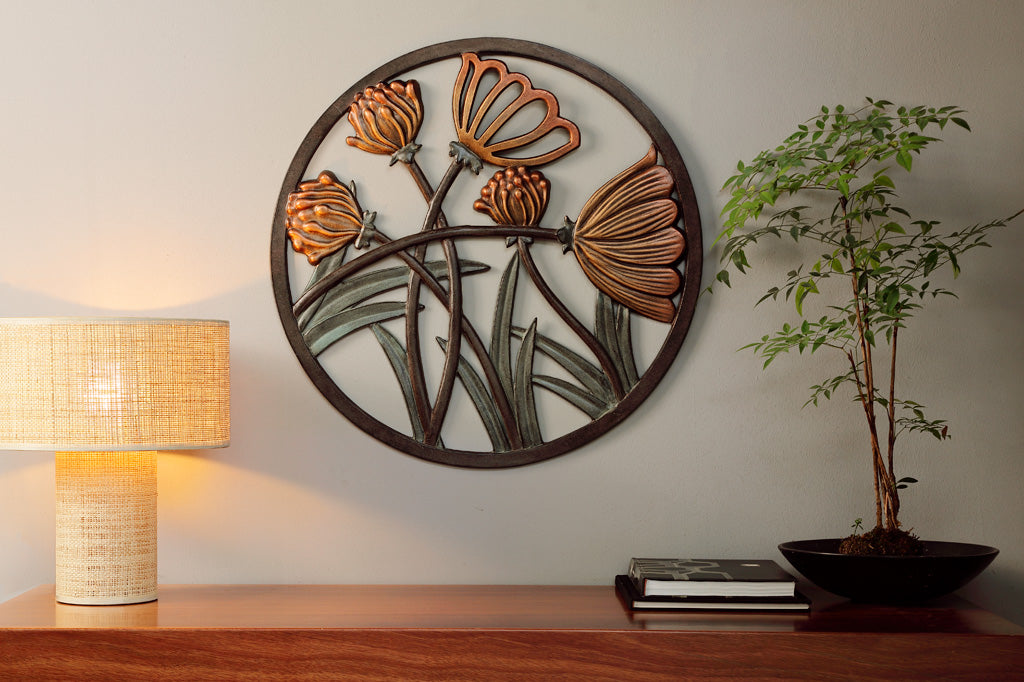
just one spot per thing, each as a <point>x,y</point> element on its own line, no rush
<point>874,456</point>
<point>892,424</point>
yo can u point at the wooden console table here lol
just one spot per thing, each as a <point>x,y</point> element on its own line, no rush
<point>320,632</point>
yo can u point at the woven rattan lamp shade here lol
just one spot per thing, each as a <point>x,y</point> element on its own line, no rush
<point>113,384</point>
<point>106,393</point>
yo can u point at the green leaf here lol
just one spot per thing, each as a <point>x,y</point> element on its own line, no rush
<point>804,288</point>
<point>885,180</point>
<point>606,334</point>
<point>322,269</point>
<point>573,394</point>
<point>584,371</point>
<point>501,337</point>
<point>522,389</point>
<point>396,355</point>
<point>483,401</point>
<point>739,259</point>
<point>359,288</point>
<point>624,340</point>
<point>903,158</point>
<point>905,482</point>
<point>960,122</point>
<point>323,334</point>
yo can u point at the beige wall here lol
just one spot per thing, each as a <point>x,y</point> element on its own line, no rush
<point>142,146</point>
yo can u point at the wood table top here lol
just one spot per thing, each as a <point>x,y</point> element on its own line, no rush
<point>555,607</point>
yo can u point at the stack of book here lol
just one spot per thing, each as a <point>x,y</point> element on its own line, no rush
<point>710,584</point>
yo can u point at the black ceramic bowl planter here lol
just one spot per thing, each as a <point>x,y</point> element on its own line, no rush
<point>941,569</point>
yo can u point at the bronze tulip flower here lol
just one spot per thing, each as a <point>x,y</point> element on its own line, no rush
<point>626,241</point>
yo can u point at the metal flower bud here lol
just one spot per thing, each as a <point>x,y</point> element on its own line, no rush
<point>515,196</point>
<point>323,217</point>
<point>386,119</point>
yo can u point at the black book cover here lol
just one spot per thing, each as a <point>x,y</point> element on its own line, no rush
<point>711,577</point>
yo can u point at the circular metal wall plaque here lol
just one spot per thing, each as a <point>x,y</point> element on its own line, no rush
<point>486,253</point>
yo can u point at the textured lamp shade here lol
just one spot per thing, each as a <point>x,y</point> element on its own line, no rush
<point>107,393</point>
<point>113,384</point>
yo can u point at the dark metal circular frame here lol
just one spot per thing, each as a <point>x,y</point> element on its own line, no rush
<point>494,47</point>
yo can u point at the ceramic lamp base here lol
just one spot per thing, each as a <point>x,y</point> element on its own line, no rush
<point>106,527</point>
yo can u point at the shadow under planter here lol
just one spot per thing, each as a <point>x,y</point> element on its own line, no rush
<point>941,569</point>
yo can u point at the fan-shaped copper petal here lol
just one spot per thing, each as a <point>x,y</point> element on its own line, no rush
<point>653,306</point>
<point>625,239</point>
<point>640,182</point>
<point>469,116</point>
<point>632,221</point>
<point>663,247</point>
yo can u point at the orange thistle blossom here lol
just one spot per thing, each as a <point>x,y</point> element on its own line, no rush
<point>386,119</point>
<point>323,217</point>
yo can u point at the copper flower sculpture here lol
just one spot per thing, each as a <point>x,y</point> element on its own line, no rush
<point>626,241</point>
<point>515,196</point>
<point>324,217</point>
<point>472,108</point>
<point>387,118</point>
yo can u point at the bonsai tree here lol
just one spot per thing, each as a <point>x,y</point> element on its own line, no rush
<point>830,184</point>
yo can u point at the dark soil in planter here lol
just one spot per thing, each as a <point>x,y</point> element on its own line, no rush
<point>883,542</point>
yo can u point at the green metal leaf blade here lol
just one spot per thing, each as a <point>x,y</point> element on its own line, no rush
<point>337,327</point>
<point>604,331</point>
<point>483,401</point>
<point>396,355</point>
<point>584,371</point>
<point>359,288</point>
<point>322,269</point>
<point>624,339</point>
<point>572,394</point>
<point>501,337</point>
<point>522,389</point>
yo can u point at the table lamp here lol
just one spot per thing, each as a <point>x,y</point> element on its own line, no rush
<point>105,394</point>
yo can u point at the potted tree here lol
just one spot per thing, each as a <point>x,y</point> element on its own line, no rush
<point>829,187</point>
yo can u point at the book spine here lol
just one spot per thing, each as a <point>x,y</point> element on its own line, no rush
<point>634,575</point>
